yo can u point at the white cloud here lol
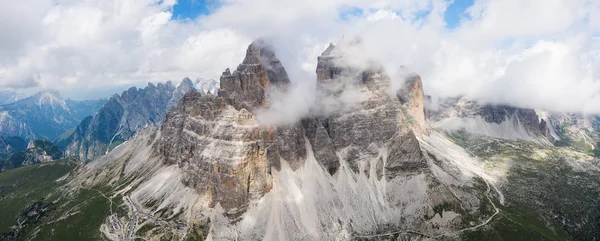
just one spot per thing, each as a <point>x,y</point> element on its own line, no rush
<point>549,75</point>
<point>526,53</point>
<point>493,19</point>
<point>81,47</point>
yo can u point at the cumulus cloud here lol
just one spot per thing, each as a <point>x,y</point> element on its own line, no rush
<point>534,54</point>
<point>81,47</point>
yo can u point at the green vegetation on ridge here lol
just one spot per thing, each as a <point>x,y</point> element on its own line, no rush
<point>552,193</point>
<point>23,186</point>
<point>35,197</point>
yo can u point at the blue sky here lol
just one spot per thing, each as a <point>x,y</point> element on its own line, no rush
<point>456,11</point>
<point>190,9</point>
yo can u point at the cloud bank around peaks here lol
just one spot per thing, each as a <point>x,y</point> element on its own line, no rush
<point>344,93</point>
<point>534,54</point>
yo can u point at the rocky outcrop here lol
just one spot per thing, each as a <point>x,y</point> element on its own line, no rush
<point>498,121</point>
<point>121,117</point>
<point>375,119</point>
<point>261,53</point>
<point>290,146</point>
<point>185,86</point>
<point>326,69</point>
<point>500,113</point>
<point>547,131</point>
<point>219,138</point>
<point>247,86</point>
<point>580,132</point>
<point>322,144</point>
<point>222,151</point>
<point>37,151</point>
<point>413,99</point>
<point>406,157</point>
<point>233,162</point>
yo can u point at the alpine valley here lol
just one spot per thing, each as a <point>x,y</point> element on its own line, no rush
<point>370,161</point>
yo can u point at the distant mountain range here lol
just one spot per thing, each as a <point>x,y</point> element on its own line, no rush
<point>10,96</point>
<point>204,86</point>
<point>77,127</point>
<point>39,118</point>
<point>577,131</point>
<point>37,151</point>
<point>11,145</point>
<point>44,115</point>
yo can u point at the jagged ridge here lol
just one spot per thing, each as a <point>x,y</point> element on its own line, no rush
<point>121,117</point>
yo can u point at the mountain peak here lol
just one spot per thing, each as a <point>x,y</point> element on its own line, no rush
<point>49,97</point>
<point>53,93</point>
<point>166,86</point>
<point>256,50</point>
<point>413,98</point>
<point>186,79</point>
<point>121,117</point>
<point>182,88</point>
<point>246,86</point>
<point>185,85</point>
<point>262,52</point>
<point>205,86</point>
<point>329,50</point>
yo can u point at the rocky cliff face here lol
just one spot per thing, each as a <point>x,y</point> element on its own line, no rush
<point>44,115</point>
<point>37,151</point>
<point>247,86</point>
<point>360,169</point>
<point>185,86</point>
<point>222,151</point>
<point>219,137</point>
<point>121,117</point>
<point>413,100</point>
<point>364,126</point>
<point>500,113</point>
<point>11,145</point>
<point>499,121</point>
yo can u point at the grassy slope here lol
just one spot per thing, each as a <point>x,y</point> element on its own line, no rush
<point>21,187</point>
<point>513,224</point>
<point>92,209</point>
<point>545,198</point>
